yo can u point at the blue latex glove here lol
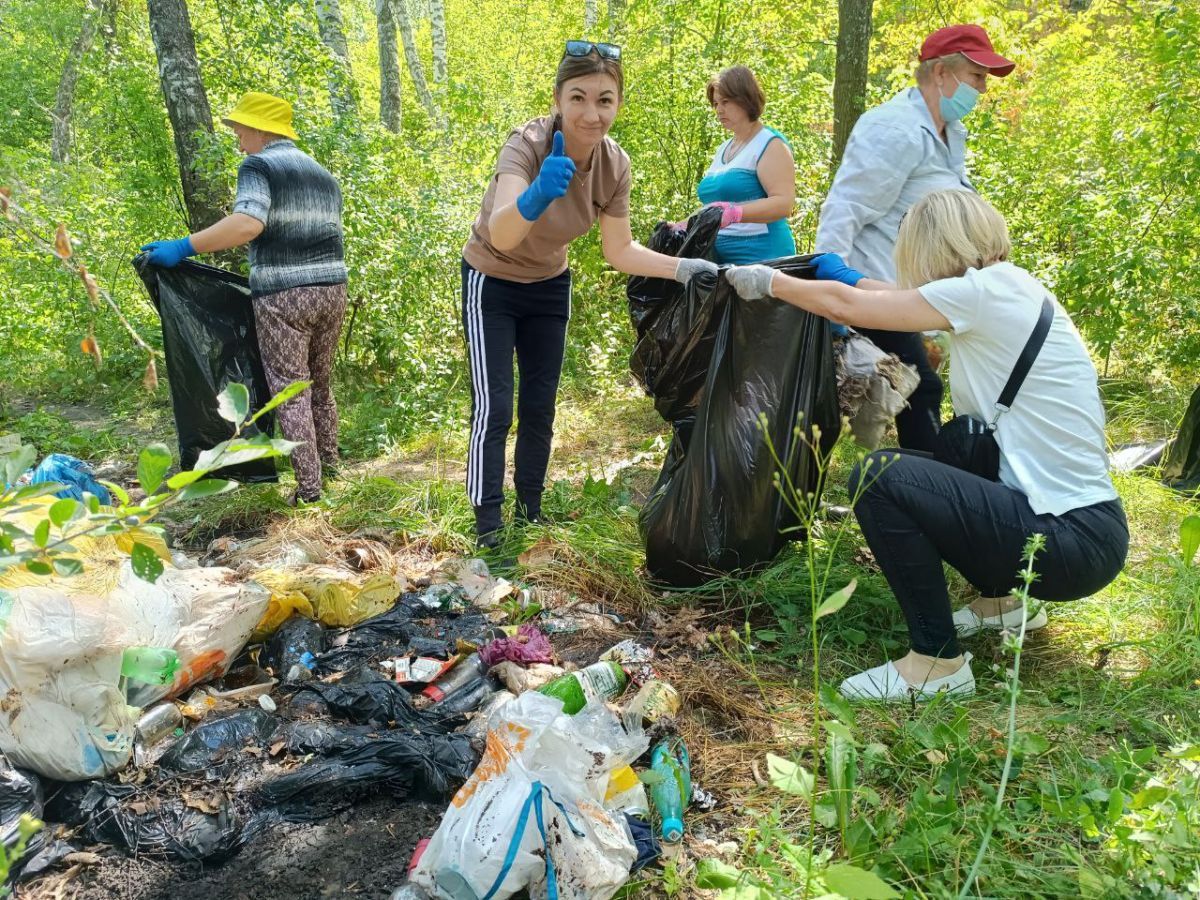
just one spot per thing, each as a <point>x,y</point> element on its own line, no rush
<point>169,254</point>
<point>551,183</point>
<point>839,331</point>
<point>831,267</point>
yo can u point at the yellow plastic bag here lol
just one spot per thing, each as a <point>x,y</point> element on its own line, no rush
<point>335,598</point>
<point>279,610</point>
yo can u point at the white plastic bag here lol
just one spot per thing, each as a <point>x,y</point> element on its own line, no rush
<point>531,816</point>
<point>63,713</point>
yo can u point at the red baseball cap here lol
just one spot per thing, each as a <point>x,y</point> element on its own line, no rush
<point>972,42</point>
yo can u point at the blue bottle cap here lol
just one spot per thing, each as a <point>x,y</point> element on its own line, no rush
<point>672,830</point>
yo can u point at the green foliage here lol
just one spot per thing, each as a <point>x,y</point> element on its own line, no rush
<point>27,827</point>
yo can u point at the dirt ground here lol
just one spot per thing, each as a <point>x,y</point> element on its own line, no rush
<point>362,853</point>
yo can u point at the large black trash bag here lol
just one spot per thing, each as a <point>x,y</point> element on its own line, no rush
<point>406,765</point>
<point>716,508</point>
<point>676,327</point>
<point>1182,468</point>
<point>20,794</point>
<point>363,697</point>
<point>219,739</point>
<point>130,818</point>
<point>209,340</point>
<point>291,642</point>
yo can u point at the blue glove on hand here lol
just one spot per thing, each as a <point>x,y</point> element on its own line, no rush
<point>169,254</point>
<point>839,331</point>
<point>551,183</point>
<point>831,267</point>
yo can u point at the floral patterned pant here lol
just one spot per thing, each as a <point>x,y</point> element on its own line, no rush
<point>298,332</point>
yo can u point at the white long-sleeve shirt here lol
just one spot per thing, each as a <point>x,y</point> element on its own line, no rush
<point>894,158</point>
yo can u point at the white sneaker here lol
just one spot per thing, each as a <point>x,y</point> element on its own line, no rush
<point>968,622</point>
<point>886,683</point>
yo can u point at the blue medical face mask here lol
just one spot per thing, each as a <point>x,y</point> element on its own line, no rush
<point>958,104</point>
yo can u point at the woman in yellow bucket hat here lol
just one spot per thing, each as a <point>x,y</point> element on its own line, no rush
<point>289,210</point>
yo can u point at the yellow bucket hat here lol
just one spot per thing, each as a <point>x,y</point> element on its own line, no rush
<point>264,112</point>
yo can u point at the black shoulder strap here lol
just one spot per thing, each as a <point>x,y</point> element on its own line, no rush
<point>1025,361</point>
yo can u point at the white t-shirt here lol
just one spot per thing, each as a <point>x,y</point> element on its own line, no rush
<point>1052,445</point>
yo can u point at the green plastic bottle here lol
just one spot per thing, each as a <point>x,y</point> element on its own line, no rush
<point>152,665</point>
<point>603,680</point>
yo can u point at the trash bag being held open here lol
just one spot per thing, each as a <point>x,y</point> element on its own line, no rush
<point>716,508</point>
<point>209,340</point>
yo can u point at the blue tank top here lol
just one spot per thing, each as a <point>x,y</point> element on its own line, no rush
<point>736,181</point>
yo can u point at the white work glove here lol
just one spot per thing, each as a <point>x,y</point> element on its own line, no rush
<point>751,282</point>
<point>687,268</point>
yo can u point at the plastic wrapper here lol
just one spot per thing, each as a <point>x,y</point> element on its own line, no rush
<point>769,366</point>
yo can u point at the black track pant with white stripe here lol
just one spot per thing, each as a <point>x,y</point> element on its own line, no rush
<point>502,317</point>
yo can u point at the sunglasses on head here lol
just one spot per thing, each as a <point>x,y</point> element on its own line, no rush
<point>583,48</point>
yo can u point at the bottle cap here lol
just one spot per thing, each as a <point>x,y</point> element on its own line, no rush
<point>672,830</point>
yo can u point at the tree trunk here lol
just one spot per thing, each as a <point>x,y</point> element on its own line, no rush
<point>389,66</point>
<point>437,23</point>
<point>204,193</point>
<point>342,95</point>
<point>591,13</point>
<point>850,74</point>
<point>415,68</point>
<point>64,100</point>
<point>616,15</point>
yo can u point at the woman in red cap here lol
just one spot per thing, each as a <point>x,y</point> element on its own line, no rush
<point>899,152</point>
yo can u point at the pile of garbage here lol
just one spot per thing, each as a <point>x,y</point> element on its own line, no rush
<point>183,718</point>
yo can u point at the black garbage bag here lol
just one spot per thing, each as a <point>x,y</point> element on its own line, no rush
<point>297,642</point>
<point>1182,469</point>
<point>405,765</point>
<point>716,508</point>
<point>209,340</point>
<point>363,697</point>
<point>676,327</point>
<point>20,793</point>
<point>138,822</point>
<point>379,637</point>
<point>219,739</point>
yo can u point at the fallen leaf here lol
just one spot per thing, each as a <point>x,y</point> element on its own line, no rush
<point>83,858</point>
<point>937,757</point>
<point>150,379</point>
<point>255,751</point>
<point>277,747</point>
<point>62,243</point>
<point>200,804</point>
<point>139,807</point>
<point>540,554</point>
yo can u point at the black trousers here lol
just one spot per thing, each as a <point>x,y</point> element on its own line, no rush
<point>916,426</point>
<point>917,513</point>
<point>502,318</point>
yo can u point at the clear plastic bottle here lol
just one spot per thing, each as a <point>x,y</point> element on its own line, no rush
<point>672,787</point>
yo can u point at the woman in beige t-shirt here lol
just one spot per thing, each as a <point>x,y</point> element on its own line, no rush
<point>555,177</point>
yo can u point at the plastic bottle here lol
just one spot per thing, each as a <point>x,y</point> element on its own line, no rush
<point>672,789</point>
<point>467,672</point>
<point>478,725</point>
<point>155,724</point>
<point>467,698</point>
<point>152,665</point>
<point>602,680</point>
<point>655,700</point>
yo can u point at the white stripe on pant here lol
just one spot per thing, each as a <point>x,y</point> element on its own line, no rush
<point>480,385</point>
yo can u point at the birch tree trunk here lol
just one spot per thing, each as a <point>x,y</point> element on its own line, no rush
<point>390,101</point>
<point>850,72</point>
<point>64,99</point>
<point>204,193</point>
<point>591,14</point>
<point>342,95</point>
<point>616,17</point>
<point>437,24</point>
<point>415,68</point>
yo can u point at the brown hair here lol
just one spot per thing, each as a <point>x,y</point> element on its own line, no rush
<point>738,84</point>
<point>579,66</point>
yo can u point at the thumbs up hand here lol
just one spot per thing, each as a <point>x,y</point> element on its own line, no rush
<point>552,181</point>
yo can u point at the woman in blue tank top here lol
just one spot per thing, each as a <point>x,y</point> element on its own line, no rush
<point>752,176</point>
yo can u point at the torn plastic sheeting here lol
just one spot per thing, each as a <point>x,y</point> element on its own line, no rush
<point>20,794</point>
<point>676,327</point>
<point>408,766</point>
<point>716,508</point>
<point>290,643</point>
<point>363,696</point>
<point>528,645</point>
<point>337,598</point>
<point>218,739</point>
<point>407,628</point>
<point>210,341</point>
<point>137,822</point>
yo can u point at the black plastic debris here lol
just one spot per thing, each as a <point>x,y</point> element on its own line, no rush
<point>209,340</point>
<point>767,368</point>
<point>218,739</point>
<point>1182,468</point>
<point>20,794</point>
<point>293,647</point>
<point>363,697</point>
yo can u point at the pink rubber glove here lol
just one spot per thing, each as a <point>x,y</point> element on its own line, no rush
<point>731,213</point>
